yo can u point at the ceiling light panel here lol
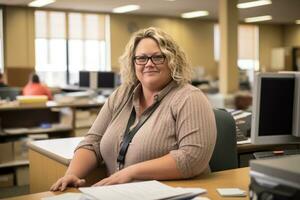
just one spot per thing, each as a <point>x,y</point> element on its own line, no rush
<point>258,19</point>
<point>125,9</point>
<point>194,14</point>
<point>252,4</point>
<point>40,3</point>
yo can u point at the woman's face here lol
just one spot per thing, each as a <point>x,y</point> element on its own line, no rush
<point>153,73</point>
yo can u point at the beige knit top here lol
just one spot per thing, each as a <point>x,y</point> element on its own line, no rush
<point>183,125</point>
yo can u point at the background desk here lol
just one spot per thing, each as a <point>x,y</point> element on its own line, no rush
<point>229,178</point>
<point>20,123</point>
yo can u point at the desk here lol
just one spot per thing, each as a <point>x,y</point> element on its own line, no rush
<point>55,156</point>
<point>229,178</point>
<point>245,151</point>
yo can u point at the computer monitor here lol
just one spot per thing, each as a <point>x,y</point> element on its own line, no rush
<point>106,80</point>
<point>98,79</point>
<point>84,79</point>
<point>276,109</point>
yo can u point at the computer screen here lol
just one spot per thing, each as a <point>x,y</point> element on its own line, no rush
<point>275,116</point>
<point>106,80</point>
<point>98,79</point>
<point>84,79</point>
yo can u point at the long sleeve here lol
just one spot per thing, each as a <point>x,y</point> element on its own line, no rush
<point>196,134</point>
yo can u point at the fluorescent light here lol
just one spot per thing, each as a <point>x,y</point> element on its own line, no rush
<point>298,21</point>
<point>40,3</point>
<point>258,19</point>
<point>127,8</point>
<point>251,4</point>
<point>194,14</point>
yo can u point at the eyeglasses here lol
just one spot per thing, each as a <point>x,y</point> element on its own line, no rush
<point>155,59</point>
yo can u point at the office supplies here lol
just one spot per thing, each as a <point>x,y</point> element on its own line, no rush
<point>276,178</point>
<point>243,123</point>
<point>32,100</point>
<point>146,190</point>
<point>231,192</point>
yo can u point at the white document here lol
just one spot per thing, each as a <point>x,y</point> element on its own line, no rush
<point>248,141</point>
<point>68,196</point>
<point>231,192</point>
<point>147,190</point>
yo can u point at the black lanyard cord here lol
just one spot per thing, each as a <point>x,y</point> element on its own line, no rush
<point>128,135</point>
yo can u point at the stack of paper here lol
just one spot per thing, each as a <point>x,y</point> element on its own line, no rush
<point>147,190</point>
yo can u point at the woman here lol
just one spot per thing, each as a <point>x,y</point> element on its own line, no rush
<point>34,87</point>
<point>178,135</point>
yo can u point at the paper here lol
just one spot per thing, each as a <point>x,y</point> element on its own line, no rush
<point>248,141</point>
<point>69,196</point>
<point>200,198</point>
<point>147,190</point>
<point>195,190</point>
<point>231,192</point>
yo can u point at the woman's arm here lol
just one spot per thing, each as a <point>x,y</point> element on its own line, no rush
<point>83,162</point>
<point>162,168</point>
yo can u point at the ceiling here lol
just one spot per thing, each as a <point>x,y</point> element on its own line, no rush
<point>282,11</point>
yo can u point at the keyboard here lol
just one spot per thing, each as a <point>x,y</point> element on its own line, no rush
<point>273,154</point>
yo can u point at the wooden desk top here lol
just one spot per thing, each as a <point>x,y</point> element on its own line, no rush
<point>229,178</point>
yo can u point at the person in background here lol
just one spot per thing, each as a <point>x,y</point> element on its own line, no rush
<point>178,132</point>
<point>2,84</point>
<point>34,87</point>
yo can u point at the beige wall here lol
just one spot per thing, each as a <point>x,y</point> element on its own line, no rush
<point>19,55</point>
<point>19,37</point>
<point>194,36</point>
<point>291,35</point>
<point>270,36</point>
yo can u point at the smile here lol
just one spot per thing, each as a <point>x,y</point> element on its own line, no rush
<point>150,72</point>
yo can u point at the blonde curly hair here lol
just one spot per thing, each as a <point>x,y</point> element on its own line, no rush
<point>176,58</point>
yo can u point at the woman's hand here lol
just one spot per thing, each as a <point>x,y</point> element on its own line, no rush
<point>123,176</point>
<point>67,180</point>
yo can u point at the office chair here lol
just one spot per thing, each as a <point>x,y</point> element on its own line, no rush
<point>225,152</point>
<point>9,92</point>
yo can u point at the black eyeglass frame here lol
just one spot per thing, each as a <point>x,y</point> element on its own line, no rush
<point>151,58</point>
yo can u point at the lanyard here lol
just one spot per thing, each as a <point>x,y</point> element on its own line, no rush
<point>128,135</point>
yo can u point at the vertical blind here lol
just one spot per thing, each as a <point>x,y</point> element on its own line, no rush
<point>82,33</point>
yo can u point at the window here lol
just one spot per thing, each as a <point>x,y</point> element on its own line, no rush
<point>60,55</point>
<point>1,42</point>
<point>247,48</point>
<point>87,44</point>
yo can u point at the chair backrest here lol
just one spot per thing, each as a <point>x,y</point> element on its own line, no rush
<point>225,152</point>
<point>9,92</point>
